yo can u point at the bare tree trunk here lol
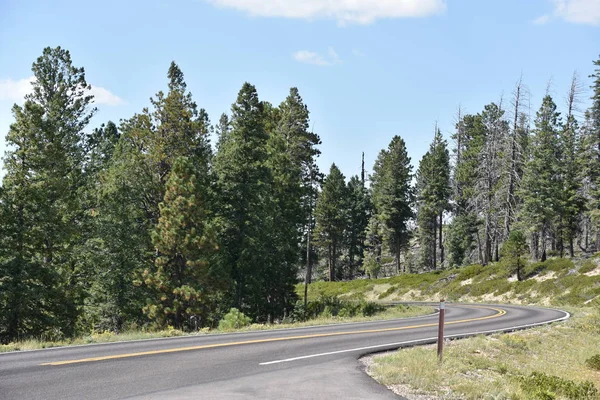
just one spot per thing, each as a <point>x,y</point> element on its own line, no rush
<point>512,172</point>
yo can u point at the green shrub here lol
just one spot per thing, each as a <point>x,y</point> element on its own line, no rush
<point>234,319</point>
<point>593,362</point>
<point>542,386</point>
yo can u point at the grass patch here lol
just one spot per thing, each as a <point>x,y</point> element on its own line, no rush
<point>548,362</point>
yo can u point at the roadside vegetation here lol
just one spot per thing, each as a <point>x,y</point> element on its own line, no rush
<point>549,362</point>
<point>324,311</point>
<point>560,361</point>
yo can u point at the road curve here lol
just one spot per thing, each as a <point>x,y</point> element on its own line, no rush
<point>300,363</point>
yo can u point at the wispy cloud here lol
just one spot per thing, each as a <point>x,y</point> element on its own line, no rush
<point>574,11</point>
<point>15,90</point>
<point>541,20</point>
<point>313,58</point>
<point>344,11</point>
<point>358,53</point>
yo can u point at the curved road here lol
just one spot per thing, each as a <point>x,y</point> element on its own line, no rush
<point>301,363</point>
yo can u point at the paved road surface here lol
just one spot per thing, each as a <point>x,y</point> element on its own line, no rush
<point>302,363</point>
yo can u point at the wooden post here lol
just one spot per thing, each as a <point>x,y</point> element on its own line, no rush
<point>440,347</point>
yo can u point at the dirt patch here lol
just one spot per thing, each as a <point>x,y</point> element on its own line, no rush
<point>467,282</point>
<point>545,277</point>
<point>376,291</point>
<point>594,272</point>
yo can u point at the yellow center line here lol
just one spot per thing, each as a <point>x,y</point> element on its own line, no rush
<point>499,311</point>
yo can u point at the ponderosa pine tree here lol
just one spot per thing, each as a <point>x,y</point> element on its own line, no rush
<point>331,218</point>
<point>393,195</point>
<point>184,240</point>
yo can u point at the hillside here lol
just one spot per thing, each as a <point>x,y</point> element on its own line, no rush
<point>555,282</point>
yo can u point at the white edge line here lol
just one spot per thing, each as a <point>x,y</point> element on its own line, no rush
<point>418,341</point>
<point>190,336</point>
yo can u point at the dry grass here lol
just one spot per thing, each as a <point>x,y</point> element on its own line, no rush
<point>493,367</point>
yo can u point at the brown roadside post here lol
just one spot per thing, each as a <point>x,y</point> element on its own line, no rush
<point>440,346</point>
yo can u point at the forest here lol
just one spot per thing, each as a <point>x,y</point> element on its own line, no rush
<point>147,224</point>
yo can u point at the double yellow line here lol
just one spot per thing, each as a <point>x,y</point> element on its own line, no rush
<point>499,313</point>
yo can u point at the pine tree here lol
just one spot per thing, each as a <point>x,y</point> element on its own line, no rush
<point>249,214</point>
<point>541,188</point>
<point>184,241</point>
<point>594,150</point>
<point>331,218</point>
<point>571,201</point>
<point>433,185</point>
<point>490,177</point>
<point>359,213</point>
<point>469,138</point>
<point>392,194</point>
<point>41,209</point>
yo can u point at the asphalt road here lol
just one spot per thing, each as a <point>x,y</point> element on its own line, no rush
<point>302,363</point>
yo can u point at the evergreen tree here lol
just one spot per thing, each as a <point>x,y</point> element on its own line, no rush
<point>249,214</point>
<point>392,194</point>
<point>184,240</point>
<point>513,251</point>
<point>331,218</point>
<point>541,187</point>
<point>469,138</point>
<point>359,212</point>
<point>41,209</point>
<point>593,144</point>
<point>433,185</point>
<point>488,198</point>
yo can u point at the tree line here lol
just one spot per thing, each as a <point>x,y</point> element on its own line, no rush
<point>147,224</point>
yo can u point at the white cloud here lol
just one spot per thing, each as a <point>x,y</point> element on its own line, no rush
<point>358,53</point>
<point>103,96</point>
<point>344,11</point>
<point>542,19</point>
<point>16,90</point>
<point>310,57</point>
<point>574,11</point>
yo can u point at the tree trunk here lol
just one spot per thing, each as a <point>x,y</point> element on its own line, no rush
<point>543,238</point>
<point>434,246</point>
<point>398,256</point>
<point>331,263</point>
<point>441,242</point>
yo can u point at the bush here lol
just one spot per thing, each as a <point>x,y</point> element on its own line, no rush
<point>593,362</point>
<point>545,387</point>
<point>234,319</point>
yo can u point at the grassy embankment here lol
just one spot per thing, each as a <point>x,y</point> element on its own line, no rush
<point>560,361</point>
<point>326,317</point>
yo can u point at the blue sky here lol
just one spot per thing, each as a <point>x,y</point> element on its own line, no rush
<point>367,69</point>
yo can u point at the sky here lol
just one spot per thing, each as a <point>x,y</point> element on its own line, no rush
<point>367,69</point>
